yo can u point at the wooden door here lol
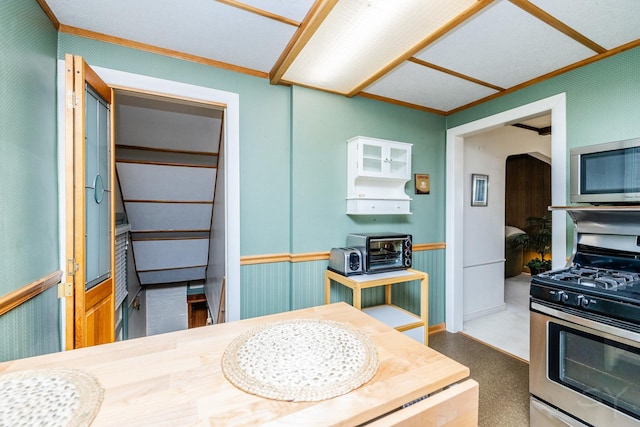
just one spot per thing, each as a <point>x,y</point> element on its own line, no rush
<point>90,292</point>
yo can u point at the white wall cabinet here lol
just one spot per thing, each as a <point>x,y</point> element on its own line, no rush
<point>377,172</point>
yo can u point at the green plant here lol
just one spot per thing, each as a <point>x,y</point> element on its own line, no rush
<point>537,239</point>
<point>537,265</point>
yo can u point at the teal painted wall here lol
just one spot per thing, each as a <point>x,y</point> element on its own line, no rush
<point>603,100</point>
<point>276,287</point>
<point>28,176</point>
<point>264,133</point>
<point>322,123</point>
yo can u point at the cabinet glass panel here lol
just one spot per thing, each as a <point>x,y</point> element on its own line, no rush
<point>398,162</point>
<point>371,158</point>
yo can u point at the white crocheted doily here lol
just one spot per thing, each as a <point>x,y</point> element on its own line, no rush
<point>49,397</point>
<point>300,360</point>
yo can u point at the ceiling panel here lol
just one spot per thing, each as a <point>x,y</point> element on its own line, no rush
<point>292,9</point>
<point>205,28</point>
<point>419,85</point>
<point>500,43</point>
<point>505,46</point>
<point>606,22</point>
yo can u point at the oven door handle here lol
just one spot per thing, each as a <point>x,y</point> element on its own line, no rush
<point>587,323</point>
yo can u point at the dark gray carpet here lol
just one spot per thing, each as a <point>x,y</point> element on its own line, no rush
<point>504,380</point>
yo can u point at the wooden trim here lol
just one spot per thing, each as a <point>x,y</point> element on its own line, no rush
<point>170,164</point>
<point>149,94</point>
<point>264,259</point>
<point>261,12</point>
<point>550,75</point>
<point>47,11</point>
<point>436,329</point>
<point>316,15</point>
<point>428,246</point>
<point>558,25</point>
<point>96,83</point>
<point>317,256</point>
<point>165,150</point>
<point>13,299</point>
<point>431,38</point>
<point>311,256</point>
<point>79,223</point>
<point>401,103</point>
<point>454,73</point>
<point>69,201</point>
<point>158,50</point>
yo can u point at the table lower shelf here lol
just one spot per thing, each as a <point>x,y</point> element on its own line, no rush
<point>398,318</point>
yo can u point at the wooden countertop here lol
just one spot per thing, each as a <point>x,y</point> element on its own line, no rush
<point>176,378</point>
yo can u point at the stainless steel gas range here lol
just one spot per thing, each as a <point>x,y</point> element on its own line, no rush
<point>585,326</point>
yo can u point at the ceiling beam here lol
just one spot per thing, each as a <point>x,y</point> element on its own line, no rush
<point>454,73</point>
<point>558,25</point>
<point>260,12</point>
<point>317,14</point>
<point>540,131</point>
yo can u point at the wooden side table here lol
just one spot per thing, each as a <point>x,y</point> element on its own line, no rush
<point>364,281</point>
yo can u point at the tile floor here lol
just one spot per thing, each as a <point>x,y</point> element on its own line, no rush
<point>507,330</point>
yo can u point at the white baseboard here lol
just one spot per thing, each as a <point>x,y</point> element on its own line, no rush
<point>484,312</point>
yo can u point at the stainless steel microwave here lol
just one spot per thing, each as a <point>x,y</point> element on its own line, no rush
<point>382,251</point>
<point>605,173</point>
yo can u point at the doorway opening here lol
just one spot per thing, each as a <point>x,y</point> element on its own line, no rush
<point>167,157</point>
<point>457,250</point>
<point>495,284</point>
<point>229,177</point>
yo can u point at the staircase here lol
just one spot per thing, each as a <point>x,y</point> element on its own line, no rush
<point>166,166</point>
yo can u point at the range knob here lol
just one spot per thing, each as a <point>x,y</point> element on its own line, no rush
<point>561,296</point>
<point>582,301</point>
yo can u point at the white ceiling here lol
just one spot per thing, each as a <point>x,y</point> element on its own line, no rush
<point>504,45</point>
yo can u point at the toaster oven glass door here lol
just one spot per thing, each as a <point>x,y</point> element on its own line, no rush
<point>385,254</point>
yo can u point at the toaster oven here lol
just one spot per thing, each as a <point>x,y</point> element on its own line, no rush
<point>382,251</point>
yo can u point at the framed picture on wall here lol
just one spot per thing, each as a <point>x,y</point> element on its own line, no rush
<point>422,183</point>
<point>479,189</point>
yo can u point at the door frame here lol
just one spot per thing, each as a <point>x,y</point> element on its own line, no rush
<point>455,179</point>
<point>231,100</point>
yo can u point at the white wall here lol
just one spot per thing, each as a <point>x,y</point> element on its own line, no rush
<point>166,308</point>
<point>217,243</point>
<point>483,255</point>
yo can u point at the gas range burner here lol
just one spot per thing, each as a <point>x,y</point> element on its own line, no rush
<point>595,277</point>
